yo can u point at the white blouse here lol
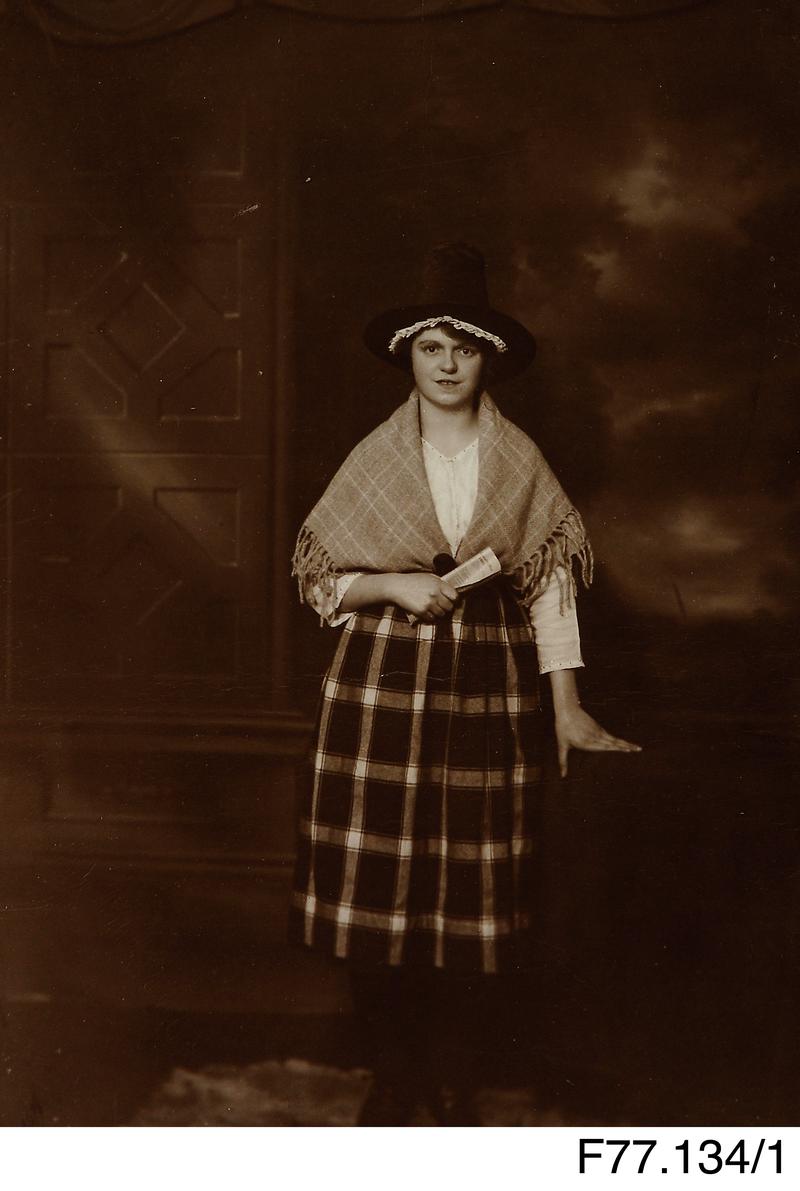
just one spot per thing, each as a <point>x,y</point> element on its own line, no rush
<point>454,486</point>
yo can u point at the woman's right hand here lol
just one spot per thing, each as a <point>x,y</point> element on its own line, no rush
<point>423,594</point>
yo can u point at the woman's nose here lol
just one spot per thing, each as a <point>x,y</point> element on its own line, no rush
<point>449,364</point>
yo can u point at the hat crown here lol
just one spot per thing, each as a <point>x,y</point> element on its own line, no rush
<point>455,274</point>
<point>453,284</point>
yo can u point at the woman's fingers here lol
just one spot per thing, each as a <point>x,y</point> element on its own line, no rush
<point>625,746</point>
<point>617,744</point>
<point>441,600</point>
<point>447,596</point>
<point>425,596</point>
<point>580,731</point>
<point>606,743</point>
<point>441,604</point>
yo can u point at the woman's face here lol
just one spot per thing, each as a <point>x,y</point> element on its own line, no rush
<point>447,367</point>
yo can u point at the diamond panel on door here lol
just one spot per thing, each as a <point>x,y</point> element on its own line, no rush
<point>127,342</point>
<point>137,577</point>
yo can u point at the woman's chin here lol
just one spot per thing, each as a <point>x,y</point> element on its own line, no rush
<point>456,396</point>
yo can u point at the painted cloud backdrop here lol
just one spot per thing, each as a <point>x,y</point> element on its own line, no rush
<point>635,189</point>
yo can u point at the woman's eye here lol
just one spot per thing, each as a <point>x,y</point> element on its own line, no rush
<point>468,351</point>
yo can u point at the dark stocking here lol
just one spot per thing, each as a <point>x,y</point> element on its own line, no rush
<point>384,1013</point>
<point>459,1028</point>
<point>424,1031</point>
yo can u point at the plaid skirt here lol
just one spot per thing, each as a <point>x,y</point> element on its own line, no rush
<point>416,838</point>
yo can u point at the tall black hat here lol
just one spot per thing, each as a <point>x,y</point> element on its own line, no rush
<point>453,291</point>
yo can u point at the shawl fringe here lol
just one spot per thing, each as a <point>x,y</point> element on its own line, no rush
<point>557,553</point>
<point>377,515</point>
<point>313,567</point>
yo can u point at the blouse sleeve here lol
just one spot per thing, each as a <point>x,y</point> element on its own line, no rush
<point>558,641</point>
<point>326,606</point>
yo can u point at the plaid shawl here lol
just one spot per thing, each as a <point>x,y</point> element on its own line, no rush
<point>377,513</point>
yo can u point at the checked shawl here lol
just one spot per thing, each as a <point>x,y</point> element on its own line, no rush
<point>377,513</point>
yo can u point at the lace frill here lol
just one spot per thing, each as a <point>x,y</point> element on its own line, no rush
<point>458,323</point>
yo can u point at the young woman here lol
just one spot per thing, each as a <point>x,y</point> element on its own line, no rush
<point>417,841</point>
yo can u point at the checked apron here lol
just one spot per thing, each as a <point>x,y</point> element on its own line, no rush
<point>416,839</point>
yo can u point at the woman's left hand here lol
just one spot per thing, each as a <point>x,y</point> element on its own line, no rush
<point>575,729</point>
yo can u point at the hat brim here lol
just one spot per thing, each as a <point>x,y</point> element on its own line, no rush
<point>520,344</point>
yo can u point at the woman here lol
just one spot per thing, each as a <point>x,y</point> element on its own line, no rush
<point>416,845</point>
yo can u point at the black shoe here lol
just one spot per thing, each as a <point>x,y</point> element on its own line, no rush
<point>387,1104</point>
<point>453,1106</point>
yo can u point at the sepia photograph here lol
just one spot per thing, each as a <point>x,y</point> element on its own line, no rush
<point>399,595</point>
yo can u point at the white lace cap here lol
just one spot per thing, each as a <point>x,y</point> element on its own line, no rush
<point>458,323</point>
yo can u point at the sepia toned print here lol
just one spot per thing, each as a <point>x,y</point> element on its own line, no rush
<point>203,207</point>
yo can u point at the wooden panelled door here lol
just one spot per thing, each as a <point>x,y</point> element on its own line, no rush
<point>149,756</point>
